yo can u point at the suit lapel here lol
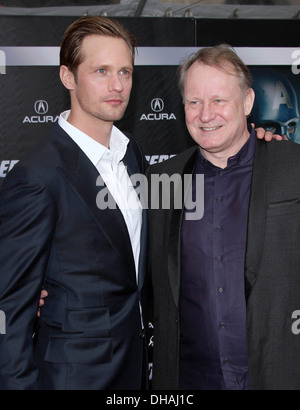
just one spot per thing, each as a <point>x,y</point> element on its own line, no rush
<point>130,161</point>
<point>143,250</point>
<point>185,165</point>
<point>257,216</point>
<point>81,175</point>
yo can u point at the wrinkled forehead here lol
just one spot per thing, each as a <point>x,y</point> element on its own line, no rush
<point>226,67</point>
<point>202,77</point>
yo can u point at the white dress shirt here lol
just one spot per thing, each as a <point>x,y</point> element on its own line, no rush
<point>110,166</point>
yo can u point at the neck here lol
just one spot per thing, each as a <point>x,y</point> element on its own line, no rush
<point>95,128</point>
<point>220,158</point>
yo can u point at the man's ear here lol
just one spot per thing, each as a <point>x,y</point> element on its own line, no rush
<point>67,77</point>
<point>249,101</point>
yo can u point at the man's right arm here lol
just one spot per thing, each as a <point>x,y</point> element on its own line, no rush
<point>27,221</point>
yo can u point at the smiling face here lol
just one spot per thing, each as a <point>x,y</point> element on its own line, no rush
<point>216,109</point>
<point>101,89</point>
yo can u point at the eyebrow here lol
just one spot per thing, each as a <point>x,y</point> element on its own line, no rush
<point>213,97</point>
<point>104,65</point>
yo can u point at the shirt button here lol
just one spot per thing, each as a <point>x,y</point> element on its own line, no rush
<point>220,199</point>
<point>219,258</point>
<point>225,361</point>
<point>222,325</point>
<point>221,172</point>
<point>221,290</point>
<point>218,228</point>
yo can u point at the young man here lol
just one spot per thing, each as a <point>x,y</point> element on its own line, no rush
<point>57,232</point>
<point>227,286</point>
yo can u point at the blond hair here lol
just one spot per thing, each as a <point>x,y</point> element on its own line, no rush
<point>70,49</point>
<point>222,56</point>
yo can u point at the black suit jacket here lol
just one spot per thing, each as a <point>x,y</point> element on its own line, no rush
<point>272,271</point>
<point>52,234</point>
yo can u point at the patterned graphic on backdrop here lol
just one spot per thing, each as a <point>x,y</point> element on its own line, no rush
<point>276,106</point>
<point>32,96</point>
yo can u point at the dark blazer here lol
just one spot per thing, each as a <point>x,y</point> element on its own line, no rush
<point>272,271</point>
<point>52,234</point>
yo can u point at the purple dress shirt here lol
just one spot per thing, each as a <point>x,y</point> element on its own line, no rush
<point>212,302</point>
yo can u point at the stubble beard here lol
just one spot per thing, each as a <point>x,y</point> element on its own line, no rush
<point>112,115</point>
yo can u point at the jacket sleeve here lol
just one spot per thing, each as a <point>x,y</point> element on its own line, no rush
<point>27,222</point>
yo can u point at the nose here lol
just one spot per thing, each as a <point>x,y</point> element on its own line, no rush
<point>206,112</point>
<point>115,83</point>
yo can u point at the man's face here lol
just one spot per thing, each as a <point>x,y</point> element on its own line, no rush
<point>104,79</point>
<point>216,110</point>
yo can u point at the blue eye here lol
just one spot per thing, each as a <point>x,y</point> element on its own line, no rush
<point>125,72</point>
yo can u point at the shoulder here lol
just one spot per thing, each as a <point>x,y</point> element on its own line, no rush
<point>176,164</point>
<point>280,160</point>
<point>38,163</point>
<point>41,154</point>
<point>281,151</point>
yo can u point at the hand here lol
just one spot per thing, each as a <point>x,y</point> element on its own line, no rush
<point>261,133</point>
<point>43,295</point>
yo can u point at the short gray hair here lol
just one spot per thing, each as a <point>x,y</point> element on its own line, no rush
<point>222,56</point>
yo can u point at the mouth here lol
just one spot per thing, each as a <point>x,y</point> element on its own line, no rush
<point>211,128</point>
<point>114,102</point>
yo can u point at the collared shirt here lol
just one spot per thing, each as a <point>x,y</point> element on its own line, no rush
<point>110,166</point>
<point>212,304</point>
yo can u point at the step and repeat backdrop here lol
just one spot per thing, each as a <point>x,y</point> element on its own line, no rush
<point>32,97</point>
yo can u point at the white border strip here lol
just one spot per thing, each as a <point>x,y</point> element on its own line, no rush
<point>153,56</point>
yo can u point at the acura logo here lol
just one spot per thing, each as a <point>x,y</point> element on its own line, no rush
<point>41,107</point>
<point>157,104</point>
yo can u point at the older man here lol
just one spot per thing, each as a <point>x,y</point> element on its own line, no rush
<point>227,285</point>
